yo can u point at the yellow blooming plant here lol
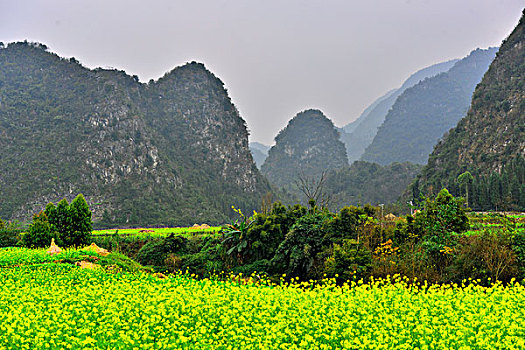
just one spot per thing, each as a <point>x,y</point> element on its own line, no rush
<point>60,306</point>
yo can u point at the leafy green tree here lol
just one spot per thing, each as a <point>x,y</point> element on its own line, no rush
<point>297,254</point>
<point>70,223</point>
<point>40,232</point>
<point>62,220</point>
<point>81,223</point>
<point>437,225</point>
<point>443,215</point>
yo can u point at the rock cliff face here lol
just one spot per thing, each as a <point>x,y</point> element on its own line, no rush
<point>307,146</point>
<point>490,141</point>
<point>173,151</point>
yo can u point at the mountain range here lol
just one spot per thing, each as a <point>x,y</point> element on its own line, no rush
<point>359,134</point>
<point>424,112</point>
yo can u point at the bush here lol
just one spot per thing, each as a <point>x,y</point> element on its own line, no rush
<point>351,261</point>
<point>487,256</point>
<point>518,246</point>
<point>297,254</point>
<point>156,253</point>
<point>442,216</point>
<point>9,233</point>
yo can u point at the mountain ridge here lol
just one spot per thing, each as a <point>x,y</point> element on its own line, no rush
<point>489,142</point>
<point>170,151</point>
<point>370,120</point>
<point>425,111</point>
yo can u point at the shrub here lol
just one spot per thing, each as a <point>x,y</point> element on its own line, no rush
<point>348,261</point>
<point>442,216</point>
<point>9,234</point>
<point>518,246</point>
<point>297,254</point>
<point>156,253</point>
<point>487,256</point>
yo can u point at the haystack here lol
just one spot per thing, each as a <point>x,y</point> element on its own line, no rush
<point>95,248</point>
<point>53,248</point>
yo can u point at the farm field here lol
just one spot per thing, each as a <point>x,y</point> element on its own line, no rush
<point>61,306</point>
<point>161,231</point>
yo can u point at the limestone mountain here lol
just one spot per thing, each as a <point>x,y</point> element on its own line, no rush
<point>490,141</point>
<point>173,151</point>
<point>424,112</point>
<point>359,134</point>
<point>308,146</point>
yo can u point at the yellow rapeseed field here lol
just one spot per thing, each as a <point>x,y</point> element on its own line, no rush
<point>61,306</point>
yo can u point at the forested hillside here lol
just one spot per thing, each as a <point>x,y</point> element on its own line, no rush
<point>424,112</point>
<point>360,133</point>
<point>489,143</point>
<point>364,182</point>
<point>173,151</point>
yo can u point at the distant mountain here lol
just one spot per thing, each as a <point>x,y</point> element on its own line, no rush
<point>364,182</point>
<point>307,146</point>
<point>259,152</point>
<point>490,141</point>
<point>170,152</point>
<point>350,127</point>
<point>424,112</point>
<point>360,133</point>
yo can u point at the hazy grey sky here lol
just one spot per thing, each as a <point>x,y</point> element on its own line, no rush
<point>276,57</point>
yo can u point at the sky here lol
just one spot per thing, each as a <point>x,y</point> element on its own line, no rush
<point>276,57</point>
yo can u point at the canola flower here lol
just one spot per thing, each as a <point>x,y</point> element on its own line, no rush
<point>60,306</point>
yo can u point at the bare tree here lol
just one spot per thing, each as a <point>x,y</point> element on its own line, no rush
<point>313,189</point>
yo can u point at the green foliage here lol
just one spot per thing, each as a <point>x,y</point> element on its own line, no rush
<point>297,254</point>
<point>9,233</point>
<point>518,246</point>
<point>349,222</point>
<point>351,261</point>
<point>80,215</point>
<point>155,253</point>
<point>69,224</point>
<point>441,216</point>
<point>40,232</point>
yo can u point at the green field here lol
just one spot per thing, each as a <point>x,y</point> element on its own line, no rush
<point>160,231</point>
<point>61,306</point>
